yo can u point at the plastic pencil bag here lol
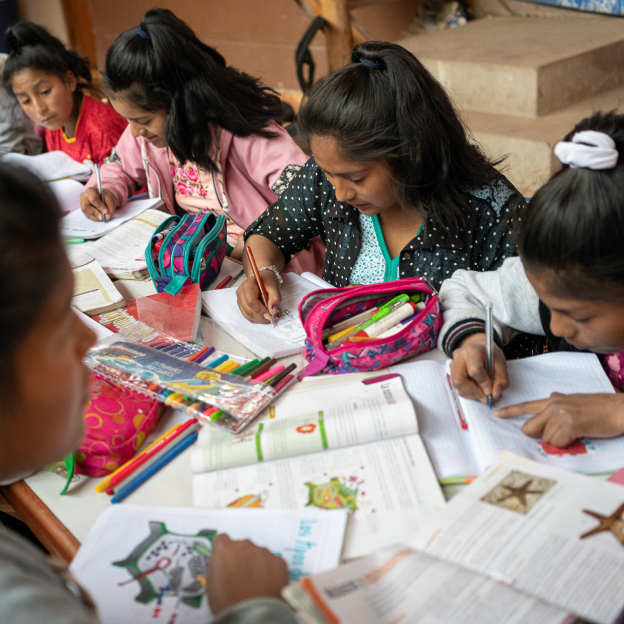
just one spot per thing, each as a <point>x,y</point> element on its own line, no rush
<point>323,309</point>
<point>178,383</point>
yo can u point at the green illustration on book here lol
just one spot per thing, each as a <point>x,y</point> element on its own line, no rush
<point>335,494</point>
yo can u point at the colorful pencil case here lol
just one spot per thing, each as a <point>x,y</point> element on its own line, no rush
<point>187,250</point>
<point>323,309</point>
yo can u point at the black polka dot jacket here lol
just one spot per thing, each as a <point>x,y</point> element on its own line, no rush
<point>308,207</point>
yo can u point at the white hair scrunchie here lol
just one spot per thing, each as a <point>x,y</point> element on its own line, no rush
<point>588,150</point>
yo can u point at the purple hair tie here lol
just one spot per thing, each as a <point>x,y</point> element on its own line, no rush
<point>142,32</point>
<point>371,64</point>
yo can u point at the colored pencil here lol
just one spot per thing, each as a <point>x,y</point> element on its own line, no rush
<point>218,361</point>
<point>270,373</point>
<point>262,368</point>
<point>102,486</point>
<point>141,459</point>
<point>224,283</point>
<point>289,369</point>
<point>263,292</point>
<point>148,474</point>
<point>205,355</point>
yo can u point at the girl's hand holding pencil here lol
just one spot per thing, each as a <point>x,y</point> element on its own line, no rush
<point>95,208</point>
<point>259,297</point>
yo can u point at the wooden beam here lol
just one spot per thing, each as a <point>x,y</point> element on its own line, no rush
<point>49,530</point>
<point>80,28</point>
<point>337,32</point>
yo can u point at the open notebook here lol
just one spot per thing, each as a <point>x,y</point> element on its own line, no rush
<point>524,544</point>
<point>457,450</point>
<point>145,564</point>
<point>288,335</point>
<point>51,166</point>
<point>335,443</point>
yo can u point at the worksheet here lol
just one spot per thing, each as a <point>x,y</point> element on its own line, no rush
<point>144,564</point>
<point>51,166</point>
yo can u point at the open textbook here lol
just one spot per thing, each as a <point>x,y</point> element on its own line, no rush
<point>288,335</point>
<point>352,445</point>
<point>463,437</point>
<point>145,564</point>
<point>51,166</point>
<point>94,293</point>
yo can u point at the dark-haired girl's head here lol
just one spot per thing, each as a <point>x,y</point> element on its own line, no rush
<point>42,341</point>
<point>44,76</point>
<point>571,238</point>
<point>171,87</point>
<point>385,115</point>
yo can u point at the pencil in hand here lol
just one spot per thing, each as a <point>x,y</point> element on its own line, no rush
<point>263,292</point>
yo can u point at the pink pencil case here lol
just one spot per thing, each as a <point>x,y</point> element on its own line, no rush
<point>322,309</point>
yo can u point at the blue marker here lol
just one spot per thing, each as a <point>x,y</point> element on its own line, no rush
<point>219,361</point>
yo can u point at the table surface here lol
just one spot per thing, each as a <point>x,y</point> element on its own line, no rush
<point>172,486</point>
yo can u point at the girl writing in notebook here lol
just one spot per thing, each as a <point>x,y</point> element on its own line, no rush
<point>49,83</point>
<point>567,284</point>
<point>43,389</point>
<point>395,188</point>
<point>202,135</point>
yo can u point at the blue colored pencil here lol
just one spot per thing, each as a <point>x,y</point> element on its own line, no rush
<point>220,360</point>
<point>150,472</point>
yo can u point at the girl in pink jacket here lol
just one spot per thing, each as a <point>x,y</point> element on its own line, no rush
<point>201,135</point>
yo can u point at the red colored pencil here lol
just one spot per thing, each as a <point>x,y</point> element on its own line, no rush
<point>224,283</point>
<point>141,459</point>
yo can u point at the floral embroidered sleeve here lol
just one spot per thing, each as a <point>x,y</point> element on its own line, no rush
<point>296,218</point>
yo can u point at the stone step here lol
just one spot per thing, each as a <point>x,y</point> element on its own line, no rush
<point>525,66</point>
<point>529,143</point>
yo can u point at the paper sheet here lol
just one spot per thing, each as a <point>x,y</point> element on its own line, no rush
<point>375,412</point>
<point>76,225</point>
<point>398,584</point>
<point>93,290</point>
<point>534,528</point>
<point>536,378</point>
<point>122,251</point>
<point>286,338</point>
<point>390,485</point>
<point>51,165</point>
<point>144,564</point>
<point>67,193</point>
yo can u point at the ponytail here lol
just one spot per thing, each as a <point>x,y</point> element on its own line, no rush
<point>31,46</point>
<point>161,66</point>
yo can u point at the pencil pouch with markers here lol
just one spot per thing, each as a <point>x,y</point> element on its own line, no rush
<point>369,327</point>
<point>187,250</point>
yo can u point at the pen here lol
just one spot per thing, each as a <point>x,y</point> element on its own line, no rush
<point>152,470</point>
<point>263,292</point>
<point>99,183</point>
<point>489,344</point>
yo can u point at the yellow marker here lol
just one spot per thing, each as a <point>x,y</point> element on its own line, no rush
<point>103,485</point>
<point>223,366</point>
<point>176,399</point>
<point>232,366</point>
<point>340,334</point>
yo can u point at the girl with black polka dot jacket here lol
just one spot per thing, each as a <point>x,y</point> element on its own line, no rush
<point>395,188</point>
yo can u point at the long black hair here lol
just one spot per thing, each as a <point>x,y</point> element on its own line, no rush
<point>574,225</point>
<point>384,105</point>
<point>163,66</point>
<point>31,46</point>
<point>30,255</point>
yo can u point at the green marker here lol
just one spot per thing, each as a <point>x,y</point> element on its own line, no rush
<point>74,241</point>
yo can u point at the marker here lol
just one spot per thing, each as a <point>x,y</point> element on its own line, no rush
<point>388,321</point>
<point>283,383</point>
<point>270,373</point>
<point>289,369</point>
<point>262,368</point>
<point>194,357</point>
<point>99,183</point>
<point>205,355</point>
<point>152,470</point>
<point>74,241</point>
<point>489,344</point>
<point>224,283</point>
<point>229,367</point>
<point>220,360</point>
<point>243,369</point>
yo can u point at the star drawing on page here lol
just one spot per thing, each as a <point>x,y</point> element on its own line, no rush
<point>613,524</point>
<point>519,491</point>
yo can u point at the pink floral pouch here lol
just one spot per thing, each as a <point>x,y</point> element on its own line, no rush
<point>322,309</point>
<point>117,421</point>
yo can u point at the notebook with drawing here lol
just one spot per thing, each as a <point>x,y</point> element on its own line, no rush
<point>456,451</point>
<point>333,443</point>
<point>288,335</point>
<point>144,564</point>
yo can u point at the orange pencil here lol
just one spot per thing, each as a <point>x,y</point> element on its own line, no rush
<point>263,292</point>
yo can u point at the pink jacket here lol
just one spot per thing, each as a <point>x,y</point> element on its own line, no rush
<point>252,167</point>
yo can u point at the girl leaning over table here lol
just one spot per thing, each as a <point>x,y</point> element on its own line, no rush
<point>395,188</point>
